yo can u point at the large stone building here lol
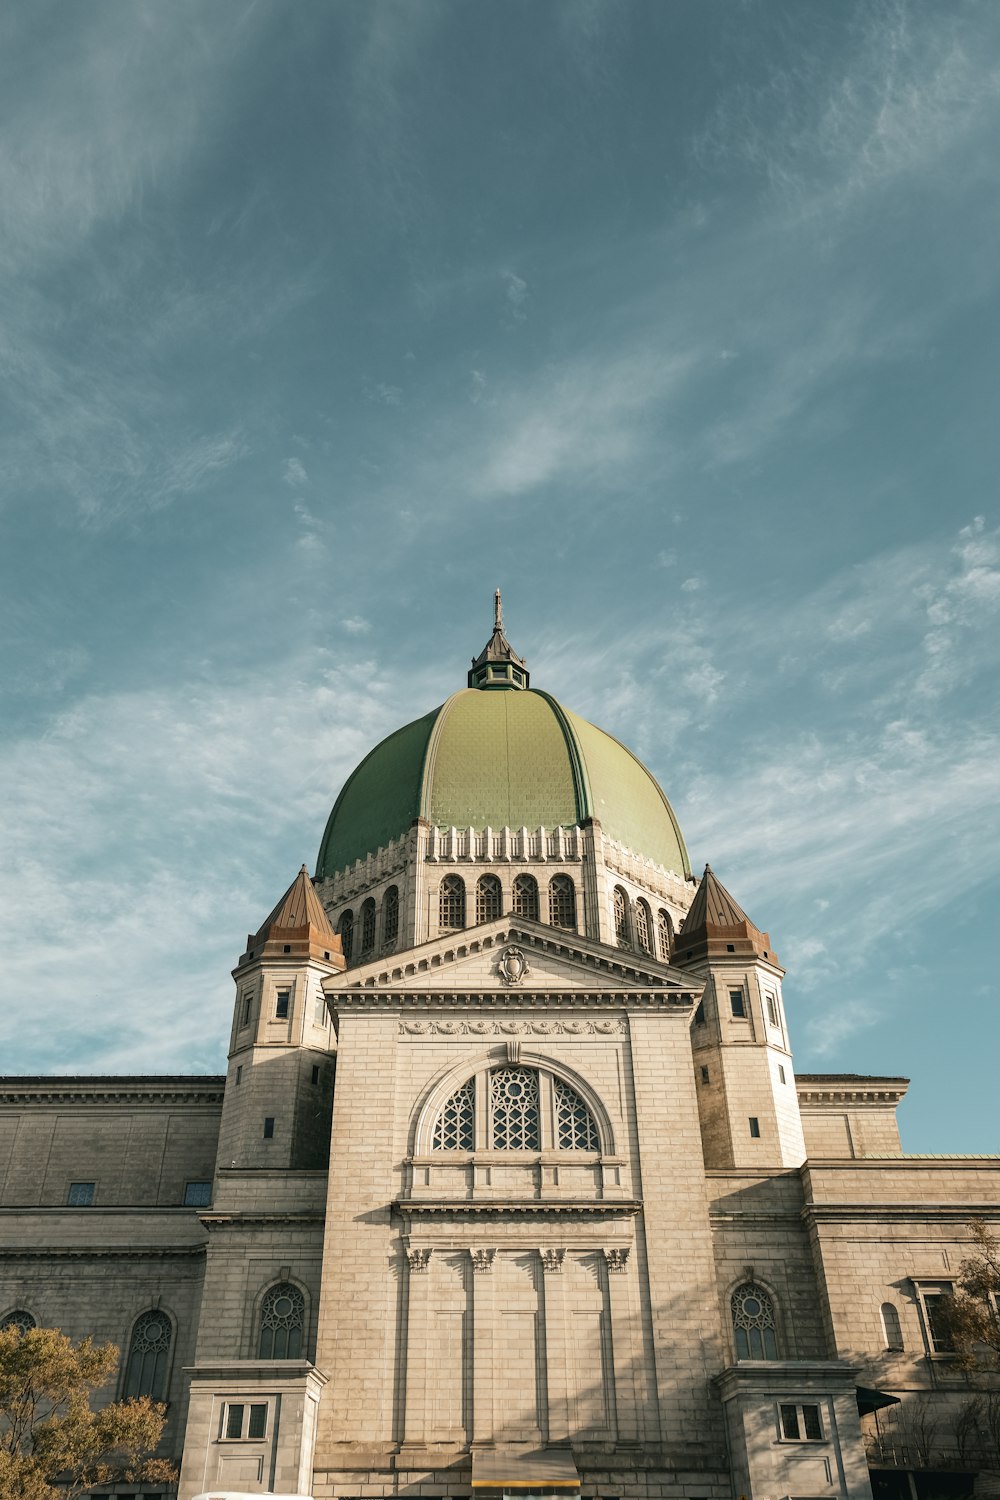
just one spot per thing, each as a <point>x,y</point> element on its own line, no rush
<point>510,1183</point>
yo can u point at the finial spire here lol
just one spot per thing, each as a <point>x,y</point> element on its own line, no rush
<point>498,664</point>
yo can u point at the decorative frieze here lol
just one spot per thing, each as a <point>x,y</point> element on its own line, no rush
<point>421,1026</point>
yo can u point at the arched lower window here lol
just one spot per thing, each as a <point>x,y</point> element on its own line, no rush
<point>892,1330</point>
<point>455,1128</point>
<point>489,899</point>
<point>575,1126</point>
<point>282,1321</point>
<point>514,1108</point>
<point>643,924</point>
<point>753,1323</point>
<point>390,917</point>
<point>526,897</point>
<point>451,911</point>
<point>148,1356</point>
<point>664,934</point>
<point>621,916</point>
<point>368,925</point>
<point>18,1319</point>
<point>562,901</point>
<point>346,929</point>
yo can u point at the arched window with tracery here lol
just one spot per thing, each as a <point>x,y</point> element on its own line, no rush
<point>664,934</point>
<point>514,1109</point>
<point>575,1127</point>
<point>526,897</point>
<point>489,899</point>
<point>368,925</point>
<point>19,1319</point>
<point>643,925</point>
<point>346,929</point>
<point>753,1322</point>
<point>282,1322</point>
<point>892,1330</point>
<point>562,901</point>
<point>455,1127</point>
<point>148,1356</point>
<point>451,912</point>
<point>621,916</point>
<point>390,917</point>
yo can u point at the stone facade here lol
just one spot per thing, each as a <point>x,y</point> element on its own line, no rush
<point>512,1191</point>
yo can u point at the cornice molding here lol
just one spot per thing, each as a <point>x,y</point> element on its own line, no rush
<point>214,1222</point>
<point>883,1213</point>
<point>840,1095</point>
<point>101,1252</point>
<point>678,1002</point>
<point>524,1207</point>
<point>101,1092</point>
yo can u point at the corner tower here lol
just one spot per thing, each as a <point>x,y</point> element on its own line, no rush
<point>742,1060</point>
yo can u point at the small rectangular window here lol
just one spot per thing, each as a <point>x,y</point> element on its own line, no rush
<point>699,1015</point>
<point>704,1075</point>
<point>320,1016</point>
<point>239,1074</point>
<point>772,1010</point>
<point>197,1194</point>
<point>781,1073</point>
<point>247,1006</point>
<point>257,1425</point>
<point>935,1299</point>
<point>81,1195</point>
<point>268,1127</point>
<point>801,1424</point>
<point>234,1420</point>
<point>282,1002</point>
<point>315,1074</point>
<point>737,1003</point>
<point>754,1127</point>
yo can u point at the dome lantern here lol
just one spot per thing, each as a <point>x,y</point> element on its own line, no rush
<point>498,664</point>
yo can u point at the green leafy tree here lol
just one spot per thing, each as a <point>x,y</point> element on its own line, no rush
<point>53,1446</point>
<point>972,1315</point>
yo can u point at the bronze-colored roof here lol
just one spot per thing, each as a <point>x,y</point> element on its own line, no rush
<point>716,924</point>
<point>299,907</point>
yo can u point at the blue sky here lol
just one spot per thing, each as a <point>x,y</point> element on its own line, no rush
<point>679,321</point>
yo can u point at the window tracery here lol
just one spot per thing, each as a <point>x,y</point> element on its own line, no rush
<point>19,1319</point>
<point>621,916</point>
<point>642,926</point>
<point>489,899</point>
<point>664,934</point>
<point>455,1129</point>
<point>146,1372</point>
<point>562,901</point>
<point>514,1109</point>
<point>575,1127</point>
<point>282,1321</point>
<point>753,1322</point>
<point>451,911</point>
<point>390,917</point>
<point>346,929</point>
<point>368,925</point>
<point>526,897</point>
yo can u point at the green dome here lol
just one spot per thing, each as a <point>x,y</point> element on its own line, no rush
<point>488,759</point>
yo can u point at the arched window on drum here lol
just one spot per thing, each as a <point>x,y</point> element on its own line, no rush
<point>489,899</point>
<point>643,926</point>
<point>664,935</point>
<point>451,903</point>
<point>346,929</point>
<point>282,1322</point>
<point>526,897</point>
<point>622,933</point>
<point>390,918</point>
<point>368,926</point>
<point>754,1332</point>
<point>562,901</point>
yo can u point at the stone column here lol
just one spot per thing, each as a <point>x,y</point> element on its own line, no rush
<point>556,1352</point>
<point>483,1330</point>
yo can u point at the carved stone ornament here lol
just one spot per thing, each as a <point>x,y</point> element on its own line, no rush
<point>418,1259</point>
<point>617,1258</point>
<point>487,1026</point>
<point>552,1260</point>
<point>482,1260</point>
<point>512,966</point>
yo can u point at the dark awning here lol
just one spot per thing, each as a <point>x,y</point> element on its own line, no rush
<point>869,1400</point>
<point>540,1469</point>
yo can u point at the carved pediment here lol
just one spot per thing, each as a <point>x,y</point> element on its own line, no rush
<point>520,961</point>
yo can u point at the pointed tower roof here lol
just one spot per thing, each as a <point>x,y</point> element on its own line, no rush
<point>298,925</point>
<point>498,664</point>
<point>716,926</point>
